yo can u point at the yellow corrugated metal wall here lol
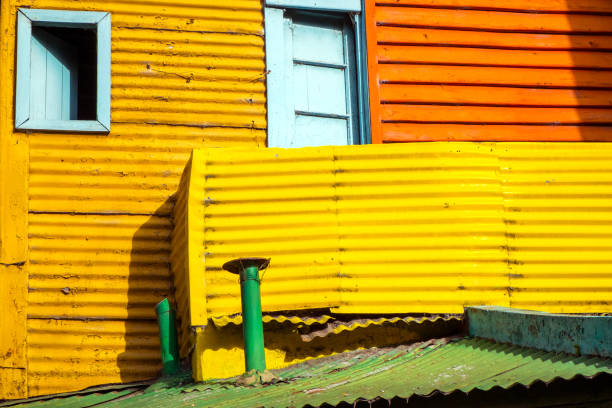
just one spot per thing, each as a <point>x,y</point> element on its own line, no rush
<point>558,213</point>
<point>184,74</point>
<point>414,228</point>
<point>277,203</point>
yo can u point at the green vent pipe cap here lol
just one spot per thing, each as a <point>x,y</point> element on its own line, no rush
<point>238,265</point>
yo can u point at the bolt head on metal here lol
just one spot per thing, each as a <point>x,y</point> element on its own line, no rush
<point>240,264</point>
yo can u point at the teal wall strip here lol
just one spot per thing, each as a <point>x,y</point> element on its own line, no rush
<point>574,334</point>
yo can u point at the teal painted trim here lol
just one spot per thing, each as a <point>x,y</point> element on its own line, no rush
<point>320,5</point>
<point>362,78</point>
<point>574,334</point>
<point>275,68</point>
<point>286,121</point>
<point>350,78</point>
<point>64,125</point>
<point>24,50</point>
<point>104,72</point>
<point>62,18</point>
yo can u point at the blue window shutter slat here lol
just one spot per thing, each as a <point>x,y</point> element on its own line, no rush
<point>54,88</point>
<point>61,88</point>
<point>318,131</point>
<point>325,89</point>
<point>289,111</point>
<point>318,40</point>
<point>38,78</point>
<point>275,66</point>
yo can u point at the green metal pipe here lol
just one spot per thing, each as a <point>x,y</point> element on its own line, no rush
<point>252,326</point>
<point>166,319</point>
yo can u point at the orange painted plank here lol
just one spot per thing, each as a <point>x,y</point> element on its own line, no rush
<point>428,36</point>
<point>494,75</point>
<point>493,20</point>
<point>590,6</point>
<point>400,132</point>
<point>493,95</point>
<point>492,57</point>
<point>373,80</point>
<point>494,114</point>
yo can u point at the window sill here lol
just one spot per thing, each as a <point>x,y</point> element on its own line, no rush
<point>63,125</point>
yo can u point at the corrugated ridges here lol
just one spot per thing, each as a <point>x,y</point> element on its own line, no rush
<point>558,202</point>
<point>141,167</point>
<point>385,373</point>
<point>307,320</point>
<point>74,354</point>
<point>419,228</point>
<point>183,75</point>
<point>339,326</point>
<point>178,260</point>
<point>76,400</point>
<point>242,16</point>
<point>273,203</point>
<point>97,267</point>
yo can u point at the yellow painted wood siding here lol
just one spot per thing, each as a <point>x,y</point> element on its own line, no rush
<point>184,74</point>
<point>411,228</point>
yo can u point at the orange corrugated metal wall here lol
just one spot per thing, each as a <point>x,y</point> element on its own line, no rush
<point>529,70</point>
<point>183,75</point>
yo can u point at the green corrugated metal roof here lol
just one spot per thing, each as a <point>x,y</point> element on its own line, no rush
<point>403,371</point>
<point>74,400</point>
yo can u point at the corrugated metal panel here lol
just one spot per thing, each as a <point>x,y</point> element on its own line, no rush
<point>91,399</point>
<point>73,354</point>
<point>339,326</point>
<point>558,202</point>
<point>97,267</point>
<point>472,70</point>
<point>273,203</point>
<point>112,269</point>
<point>184,75</point>
<point>385,373</point>
<point>418,228</point>
<point>179,259</point>
<point>307,320</point>
<point>13,382</point>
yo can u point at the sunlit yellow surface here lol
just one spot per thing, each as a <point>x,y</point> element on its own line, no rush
<point>95,246</point>
<point>412,228</point>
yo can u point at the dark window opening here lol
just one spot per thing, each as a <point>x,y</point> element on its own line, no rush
<point>75,48</point>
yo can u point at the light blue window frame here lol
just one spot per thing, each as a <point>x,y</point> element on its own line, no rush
<point>276,81</point>
<point>100,21</point>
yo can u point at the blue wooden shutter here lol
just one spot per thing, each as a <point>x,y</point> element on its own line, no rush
<point>320,81</point>
<point>54,78</point>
